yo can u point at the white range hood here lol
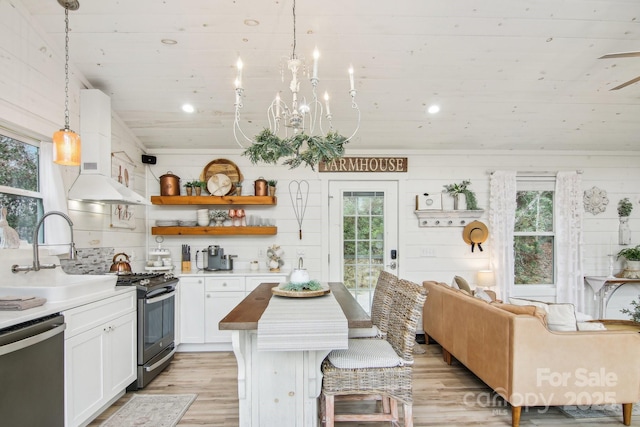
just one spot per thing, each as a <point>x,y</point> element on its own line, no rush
<point>94,184</point>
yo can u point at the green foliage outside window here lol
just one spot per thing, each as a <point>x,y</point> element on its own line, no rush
<point>534,240</point>
<point>19,164</point>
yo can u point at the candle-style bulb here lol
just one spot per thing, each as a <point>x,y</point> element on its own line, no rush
<point>316,55</point>
<point>239,65</point>
<point>351,78</point>
<point>326,103</point>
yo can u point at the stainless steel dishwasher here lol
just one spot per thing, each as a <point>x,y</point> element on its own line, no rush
<point>32,373</point>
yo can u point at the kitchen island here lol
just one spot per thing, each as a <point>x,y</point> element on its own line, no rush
<point>281,386</point>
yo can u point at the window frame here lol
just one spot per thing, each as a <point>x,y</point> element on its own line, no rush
<point>542,291</point>
<point>14,191</point>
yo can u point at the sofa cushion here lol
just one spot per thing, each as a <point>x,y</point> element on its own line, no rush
<point>481,294</point>
<point>462,284</point>
<point>561,317</point>
<point>530,310</point>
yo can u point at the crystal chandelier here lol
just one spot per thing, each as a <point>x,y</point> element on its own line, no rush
<point>66,143</point>
<point>296,131</point>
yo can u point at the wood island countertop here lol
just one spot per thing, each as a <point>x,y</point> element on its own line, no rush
<point>245,315</point>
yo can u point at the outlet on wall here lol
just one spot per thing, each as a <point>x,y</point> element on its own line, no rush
<point>427,252</point>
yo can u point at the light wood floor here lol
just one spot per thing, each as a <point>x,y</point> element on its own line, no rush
<point>443,395</point>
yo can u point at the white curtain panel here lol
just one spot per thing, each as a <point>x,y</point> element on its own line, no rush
<point>502,214</point>
<point>56,229</point>
<point>568,218</point>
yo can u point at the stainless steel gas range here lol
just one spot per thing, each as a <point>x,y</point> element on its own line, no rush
<point>156,322</point>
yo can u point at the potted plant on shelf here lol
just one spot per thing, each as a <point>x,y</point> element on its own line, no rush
<point>189,187</point>
<point>454,190</point>
<point>219,216</point>
<point>624,210</point>
<point>199,186</point>
<point>632,257</point>
<point>272,186</point>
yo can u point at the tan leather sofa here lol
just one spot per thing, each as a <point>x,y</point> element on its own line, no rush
<point>525,363</point>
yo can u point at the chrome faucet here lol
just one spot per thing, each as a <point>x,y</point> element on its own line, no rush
<point>36,256</point>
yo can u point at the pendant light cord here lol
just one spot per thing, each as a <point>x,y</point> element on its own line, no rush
<point>293,54</point>
<point>66,68</point>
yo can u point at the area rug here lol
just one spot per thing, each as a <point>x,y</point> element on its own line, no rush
<point>597,411</point>
<point>151,410</point>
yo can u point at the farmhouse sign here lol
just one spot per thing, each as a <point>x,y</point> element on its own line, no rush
<point>365,164</point>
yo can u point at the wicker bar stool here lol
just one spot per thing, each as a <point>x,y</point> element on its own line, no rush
<point>377,367</point>
<point>380,308</point>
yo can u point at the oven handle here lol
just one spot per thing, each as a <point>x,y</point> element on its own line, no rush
<point>160,298</point>
<point>160,362</point>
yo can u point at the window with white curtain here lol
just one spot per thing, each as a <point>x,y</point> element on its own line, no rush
<point>534,235</point>
<point>19,183</point>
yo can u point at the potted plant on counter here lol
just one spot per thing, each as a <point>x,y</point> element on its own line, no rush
<point>635,313</point>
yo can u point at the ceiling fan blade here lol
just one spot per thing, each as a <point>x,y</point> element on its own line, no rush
<point>620,55</point>
<point>630,82</point>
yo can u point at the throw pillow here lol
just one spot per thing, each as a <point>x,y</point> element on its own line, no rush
<point>591,326</point>
<point>561,317</point>
<point>462,284</point>
<point>481,294</point>
<point>530,310</point>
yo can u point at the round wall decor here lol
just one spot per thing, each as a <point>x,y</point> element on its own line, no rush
<point>595,200</point>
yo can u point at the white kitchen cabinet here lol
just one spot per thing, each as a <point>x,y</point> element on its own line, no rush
<point>207,298</point>
<point>192,319</point>
<point>100,355</point>
<point>221,296</point>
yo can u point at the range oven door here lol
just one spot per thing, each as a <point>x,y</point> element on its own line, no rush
<point>156,313</point>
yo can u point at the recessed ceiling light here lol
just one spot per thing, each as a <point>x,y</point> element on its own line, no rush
<point>188,108</point>
<point>169,41</point>
<point>251,22</point>
<point>433,109</point>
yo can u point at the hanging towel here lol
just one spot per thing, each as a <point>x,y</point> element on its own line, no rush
<point>20,303</point>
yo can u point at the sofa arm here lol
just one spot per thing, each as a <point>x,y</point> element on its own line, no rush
<point>572,368</point>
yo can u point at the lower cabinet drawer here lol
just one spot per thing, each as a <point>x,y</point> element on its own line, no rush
<point>85,317</point>
<point>224,284</point>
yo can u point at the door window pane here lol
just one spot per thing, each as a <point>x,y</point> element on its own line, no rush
<point>363,233</point>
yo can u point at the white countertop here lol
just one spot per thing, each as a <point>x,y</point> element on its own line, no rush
<point>235,272</point>
<point>10,318</point>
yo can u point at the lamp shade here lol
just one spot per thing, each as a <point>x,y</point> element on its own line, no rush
<point>66,148</point>
<point>486,278</point>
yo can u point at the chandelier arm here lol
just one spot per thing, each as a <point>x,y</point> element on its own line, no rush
<point>353,105</point>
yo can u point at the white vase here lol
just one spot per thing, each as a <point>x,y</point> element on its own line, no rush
<point>624,232</point>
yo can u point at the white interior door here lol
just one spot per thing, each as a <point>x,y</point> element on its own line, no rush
<point>363,234</point>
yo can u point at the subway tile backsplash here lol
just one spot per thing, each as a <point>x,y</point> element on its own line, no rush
<point>89,261</point>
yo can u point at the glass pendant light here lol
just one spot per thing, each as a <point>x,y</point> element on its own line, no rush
<point>66,143</point>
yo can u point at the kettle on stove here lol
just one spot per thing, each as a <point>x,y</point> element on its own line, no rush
<point>120,266</point>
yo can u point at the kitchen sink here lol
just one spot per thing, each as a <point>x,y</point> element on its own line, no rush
<point>63,288</point>
<point>53,284</point>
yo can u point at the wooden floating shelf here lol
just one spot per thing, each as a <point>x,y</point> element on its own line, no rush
<point>214,231</point>
<point>214,200</point>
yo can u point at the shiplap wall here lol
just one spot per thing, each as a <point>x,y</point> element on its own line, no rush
<point>619,175</point>
<point>32,103</point>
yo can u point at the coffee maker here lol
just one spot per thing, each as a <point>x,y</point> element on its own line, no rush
<point>217,260</point>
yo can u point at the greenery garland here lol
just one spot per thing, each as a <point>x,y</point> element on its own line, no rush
<point>269,148</point>
<point>312,285</point>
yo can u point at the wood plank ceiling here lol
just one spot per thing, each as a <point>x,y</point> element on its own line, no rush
<point>508,74</point>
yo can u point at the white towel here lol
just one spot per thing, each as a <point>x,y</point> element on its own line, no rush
<point>296,324</point>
